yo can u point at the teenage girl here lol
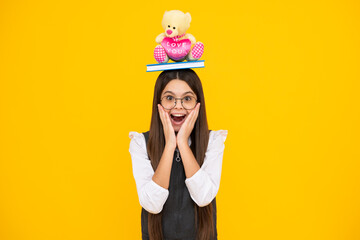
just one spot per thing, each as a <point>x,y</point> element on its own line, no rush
<point>177,163</point>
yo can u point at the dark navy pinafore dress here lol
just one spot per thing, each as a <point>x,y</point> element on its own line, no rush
<point>178,214</point>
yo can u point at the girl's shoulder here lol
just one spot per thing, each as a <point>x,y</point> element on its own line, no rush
<point>137,139</point>
<point>218,135</point>
<point>135,135</point>
<point>139,135</point>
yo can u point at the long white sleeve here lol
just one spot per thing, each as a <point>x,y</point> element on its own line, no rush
<point>152,196</point>
<point>204,184</point>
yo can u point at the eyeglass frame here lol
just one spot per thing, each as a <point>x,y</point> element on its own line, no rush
<point>175,101</point>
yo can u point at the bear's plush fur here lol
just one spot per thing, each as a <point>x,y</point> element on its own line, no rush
<point>175,24</point>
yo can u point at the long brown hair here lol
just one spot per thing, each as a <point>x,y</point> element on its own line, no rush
<point>199,141</point>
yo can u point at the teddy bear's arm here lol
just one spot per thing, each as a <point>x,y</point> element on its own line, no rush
<point>191,38</point>
<point>160,37</point>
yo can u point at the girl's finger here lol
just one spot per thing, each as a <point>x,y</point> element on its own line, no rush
<point>159,110</point>
<point>165,118</point>
<point>197,111</point>
<point>161,114</point>
<point>195,115</point>
<point>188,119</point>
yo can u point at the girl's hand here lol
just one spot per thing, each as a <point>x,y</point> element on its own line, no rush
<point>187,127</point>
<point>169,132</point>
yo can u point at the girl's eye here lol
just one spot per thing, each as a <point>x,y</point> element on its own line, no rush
<point>169,97</point>
<point>187,98</point>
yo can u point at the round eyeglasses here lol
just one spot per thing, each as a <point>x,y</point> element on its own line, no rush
<point>169,102</point>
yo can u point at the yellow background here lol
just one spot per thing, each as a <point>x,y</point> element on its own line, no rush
<point>281,76</point>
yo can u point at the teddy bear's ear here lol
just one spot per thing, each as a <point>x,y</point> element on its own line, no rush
<point>163,23</point>
<point>166,13</point>
<point>188,17</point>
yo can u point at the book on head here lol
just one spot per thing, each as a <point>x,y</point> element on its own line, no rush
<point>175,65</point>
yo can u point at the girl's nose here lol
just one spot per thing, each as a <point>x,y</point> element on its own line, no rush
<point>178,105</point>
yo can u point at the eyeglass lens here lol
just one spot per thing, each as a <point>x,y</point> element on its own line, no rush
<point>169,102</point>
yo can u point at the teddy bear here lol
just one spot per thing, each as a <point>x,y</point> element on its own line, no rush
<point>175,43</point>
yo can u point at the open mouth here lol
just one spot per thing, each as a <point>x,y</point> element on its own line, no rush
<point>177,119</point>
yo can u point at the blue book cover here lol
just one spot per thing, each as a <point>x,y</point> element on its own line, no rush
<point>175,65</point>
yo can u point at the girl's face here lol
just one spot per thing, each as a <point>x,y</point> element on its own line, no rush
<point>178,89</point>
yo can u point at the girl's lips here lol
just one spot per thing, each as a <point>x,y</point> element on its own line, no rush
<point>177,123</point>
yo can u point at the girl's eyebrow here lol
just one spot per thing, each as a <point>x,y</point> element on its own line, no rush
<point>183,94</point>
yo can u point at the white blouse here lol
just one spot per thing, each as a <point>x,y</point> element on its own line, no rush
<point>203,185</point>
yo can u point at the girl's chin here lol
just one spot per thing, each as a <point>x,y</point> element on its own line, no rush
<point>176,128</point>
